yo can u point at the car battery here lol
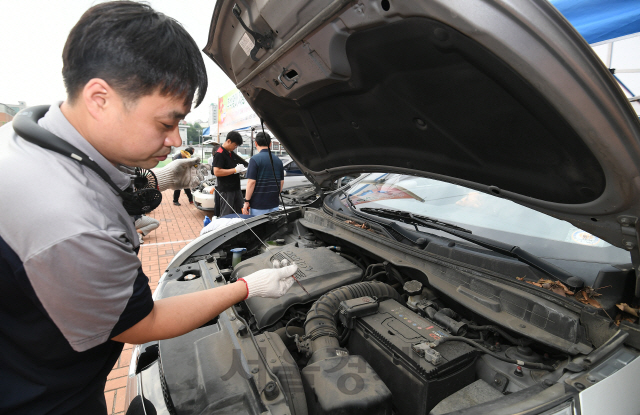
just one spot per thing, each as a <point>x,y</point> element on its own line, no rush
<point>395,342</point>
<point>358,307</point>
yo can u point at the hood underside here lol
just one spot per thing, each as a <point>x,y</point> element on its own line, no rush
<point>501,96</point>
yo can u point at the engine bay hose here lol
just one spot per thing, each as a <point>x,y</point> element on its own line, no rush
<point>504,334</point>
<point>321,326</point>
<point>445,316</point>
<point>528,365</point>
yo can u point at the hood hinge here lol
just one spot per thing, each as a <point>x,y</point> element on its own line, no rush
<point>259,41</point>
<point>630,241</point>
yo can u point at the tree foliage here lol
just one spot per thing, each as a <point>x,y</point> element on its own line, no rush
<point>193,133</point>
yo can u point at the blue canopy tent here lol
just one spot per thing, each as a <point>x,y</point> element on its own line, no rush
<point>612,28</point>
<point>601,20</point>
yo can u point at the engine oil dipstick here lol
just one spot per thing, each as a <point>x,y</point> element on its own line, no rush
<point>296,280</point>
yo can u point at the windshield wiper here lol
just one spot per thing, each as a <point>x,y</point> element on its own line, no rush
<point>410,218</point>
<point>465,234</point>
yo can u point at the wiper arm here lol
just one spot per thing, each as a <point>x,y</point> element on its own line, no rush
<point>410,218</point>
<point>491,244</point>
<point>405,233</point>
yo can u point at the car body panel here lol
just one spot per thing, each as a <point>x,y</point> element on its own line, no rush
<point>503,97</point>
<point>500,97</point>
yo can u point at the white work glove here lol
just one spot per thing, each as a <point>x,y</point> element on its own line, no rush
<point>179,174</point>
<point>280,264</point>
<point>270,282</point>
<point>240,168</point>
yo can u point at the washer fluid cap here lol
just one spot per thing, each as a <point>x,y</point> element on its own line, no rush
<point>412,287</point>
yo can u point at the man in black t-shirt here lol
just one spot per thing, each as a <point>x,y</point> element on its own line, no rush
<point>228,197</point>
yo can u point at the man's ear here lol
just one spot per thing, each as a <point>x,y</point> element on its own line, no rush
<point>98,97</point>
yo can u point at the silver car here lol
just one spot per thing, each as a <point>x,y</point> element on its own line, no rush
<point>486,263</point>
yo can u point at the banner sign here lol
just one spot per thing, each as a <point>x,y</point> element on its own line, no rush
<point>234,112</point>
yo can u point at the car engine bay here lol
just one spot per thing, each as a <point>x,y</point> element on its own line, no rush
<point>362,332</point>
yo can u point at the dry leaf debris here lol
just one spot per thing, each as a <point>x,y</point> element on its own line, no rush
<point>585,295</point>
<point>628,309</point>
<point>359,225</point>
<point>627,313</point>
<point>555,286</point>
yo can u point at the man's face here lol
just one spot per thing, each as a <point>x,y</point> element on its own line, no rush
<point>230,145</point>
<point>141,133</point>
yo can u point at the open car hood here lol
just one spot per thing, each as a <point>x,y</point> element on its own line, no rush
<point>501,96</point>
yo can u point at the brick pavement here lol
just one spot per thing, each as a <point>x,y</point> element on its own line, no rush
<point>178,226</point>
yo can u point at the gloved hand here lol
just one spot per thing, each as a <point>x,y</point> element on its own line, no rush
<point>179,174</point>
<point>280,264</point>
<point>240,168</point>
<point>270,282</point>
<point>202,171</point>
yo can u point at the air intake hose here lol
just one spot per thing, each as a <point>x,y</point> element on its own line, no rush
<point>321,327</point>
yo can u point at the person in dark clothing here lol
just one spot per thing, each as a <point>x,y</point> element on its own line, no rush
<point>186,153</point>
<point>228,196</point>
<point>262,188</point>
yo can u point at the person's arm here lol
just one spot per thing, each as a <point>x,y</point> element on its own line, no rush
<point>281,175</point>
<point>175,316</point>
<point>218,172</point>
<point>179,174</point>
<point>178,315</point>
<point>251,186</point>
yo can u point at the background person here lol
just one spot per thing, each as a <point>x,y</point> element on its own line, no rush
<point>184,154</point>
<point>73,294</point>
<point>145,224</point>
<point>228,196</point>
<point>263,190</point>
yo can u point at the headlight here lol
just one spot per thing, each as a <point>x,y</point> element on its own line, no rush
<point>134,360</point>
<point>156,293</point>
<point>565,408</point>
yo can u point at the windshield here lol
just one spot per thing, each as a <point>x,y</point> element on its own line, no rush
<point>485,215</point>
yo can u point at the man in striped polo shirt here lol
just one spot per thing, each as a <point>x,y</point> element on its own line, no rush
<point>263,188</point>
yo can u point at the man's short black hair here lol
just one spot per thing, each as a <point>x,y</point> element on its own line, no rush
<point>235,137</point>
<point>136,50</point>
<point>263,139</point>
<point>189,150</point>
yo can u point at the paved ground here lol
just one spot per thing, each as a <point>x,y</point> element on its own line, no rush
<point>178,226</point>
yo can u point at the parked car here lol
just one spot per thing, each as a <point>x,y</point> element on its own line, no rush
<point>486,264</point>
<point>203,196</point>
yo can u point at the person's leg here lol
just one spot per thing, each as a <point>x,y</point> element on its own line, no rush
<point>226,204</point>
<point>147,224</point>
<point>238,201</point>
<point>216,204</point>
<point>257,212</point>
<point>176,196</point>
<point>189,196</point>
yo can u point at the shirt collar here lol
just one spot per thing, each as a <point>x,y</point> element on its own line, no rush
<point>55,122</point>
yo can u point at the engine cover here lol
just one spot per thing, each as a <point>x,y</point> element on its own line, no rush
<point>319,271</point>
<point>387,340</point>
